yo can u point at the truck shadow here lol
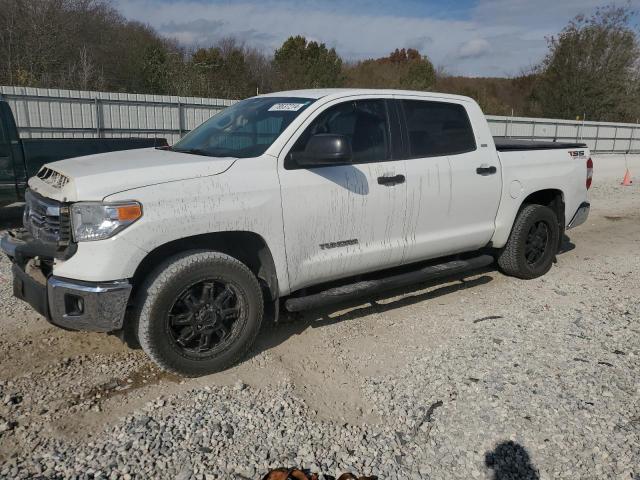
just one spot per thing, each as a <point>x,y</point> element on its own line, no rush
<point>346,176</point>
<point>292,324</point>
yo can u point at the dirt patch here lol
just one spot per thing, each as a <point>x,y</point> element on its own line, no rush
<point>146,376</point>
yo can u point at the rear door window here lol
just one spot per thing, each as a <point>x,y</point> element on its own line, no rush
<point>437,128</point>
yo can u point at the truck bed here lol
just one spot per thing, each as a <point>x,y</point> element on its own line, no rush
<point>504,144</point>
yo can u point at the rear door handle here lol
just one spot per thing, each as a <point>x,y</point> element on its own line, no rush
<point>391,181</point>
<point>486,170</point>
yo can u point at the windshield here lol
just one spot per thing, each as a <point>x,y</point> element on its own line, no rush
<point>244,130</point>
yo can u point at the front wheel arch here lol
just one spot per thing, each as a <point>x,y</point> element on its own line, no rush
<point>248,247</point>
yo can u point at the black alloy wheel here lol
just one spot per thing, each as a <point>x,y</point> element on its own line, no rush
<point>204,317</point>
<point>537,242</point>
<point>533,243</point>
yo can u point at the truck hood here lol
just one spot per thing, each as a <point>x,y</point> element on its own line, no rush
<point>96,176</point>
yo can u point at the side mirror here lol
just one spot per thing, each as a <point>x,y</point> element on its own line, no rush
<point>325,149</point>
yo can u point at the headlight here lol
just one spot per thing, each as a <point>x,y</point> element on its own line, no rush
<point>97,221</point>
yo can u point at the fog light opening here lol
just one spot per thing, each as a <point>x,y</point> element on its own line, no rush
<point>73,305</point>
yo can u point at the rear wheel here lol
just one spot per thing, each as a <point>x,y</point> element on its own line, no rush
<point>200,313</point>
<point>533,243</point>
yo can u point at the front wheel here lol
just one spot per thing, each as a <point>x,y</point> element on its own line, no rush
<point>200,312</point>
<point>533,243</point>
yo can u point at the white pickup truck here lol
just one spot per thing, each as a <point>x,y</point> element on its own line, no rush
<point>291,199</point>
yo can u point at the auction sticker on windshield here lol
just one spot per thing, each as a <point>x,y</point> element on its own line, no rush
<point>286,107</point>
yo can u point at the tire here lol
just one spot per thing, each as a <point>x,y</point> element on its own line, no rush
<point>192,297</point>
<point>516,257</point>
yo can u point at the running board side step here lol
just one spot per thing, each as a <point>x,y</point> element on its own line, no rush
<point>371,287</point>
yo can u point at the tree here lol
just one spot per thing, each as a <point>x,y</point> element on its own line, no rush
<point>301,64</point>
<point>85,72</point>
<point>496,96</point>
<point>235,77</point>
<point>592,69</point>
<point>84,44</point>
<point>403,68</point>
<point>129,52</point>
<point>154,70</point>
<point>261,70</point>
<point>226,70</point>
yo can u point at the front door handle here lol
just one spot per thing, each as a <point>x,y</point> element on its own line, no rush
<point>391,181</point>
<point>486,170</point>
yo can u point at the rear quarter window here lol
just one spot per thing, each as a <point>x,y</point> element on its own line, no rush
<point>437,128</point>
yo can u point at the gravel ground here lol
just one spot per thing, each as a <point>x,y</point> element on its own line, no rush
<point>485,377</point>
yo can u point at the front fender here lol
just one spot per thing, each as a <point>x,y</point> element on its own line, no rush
<point>245,198</point>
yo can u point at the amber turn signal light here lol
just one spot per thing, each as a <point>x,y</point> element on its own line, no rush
<point>129,213</point>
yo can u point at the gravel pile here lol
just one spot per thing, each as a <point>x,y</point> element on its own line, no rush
<point>220,432</point>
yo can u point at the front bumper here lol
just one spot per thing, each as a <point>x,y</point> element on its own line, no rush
<point>66,303</point>
<point>580,216</point>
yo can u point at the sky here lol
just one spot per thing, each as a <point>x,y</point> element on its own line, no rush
<point>467,37</point>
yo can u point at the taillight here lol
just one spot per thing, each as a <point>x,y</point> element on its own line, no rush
<point>589,173</point>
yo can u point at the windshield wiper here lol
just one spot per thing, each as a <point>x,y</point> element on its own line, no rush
<point>193,151</point>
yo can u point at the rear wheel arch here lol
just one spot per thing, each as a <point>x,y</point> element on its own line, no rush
<point>550,197</point>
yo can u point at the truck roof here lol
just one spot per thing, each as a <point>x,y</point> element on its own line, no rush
<point>345,92</point>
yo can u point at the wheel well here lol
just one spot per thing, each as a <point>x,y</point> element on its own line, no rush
<point>552,198</point>
<point>248,247</point>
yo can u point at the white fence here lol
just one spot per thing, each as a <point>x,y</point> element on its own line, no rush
<point>53,113</point>
<point>44,112</point>
<point>602,137</point>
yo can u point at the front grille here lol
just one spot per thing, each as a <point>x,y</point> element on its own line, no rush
<point>51,177</point>
<point>46,220</point>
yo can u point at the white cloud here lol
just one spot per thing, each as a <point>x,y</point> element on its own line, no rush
<point>498,37</point>
<point>474,48</point>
